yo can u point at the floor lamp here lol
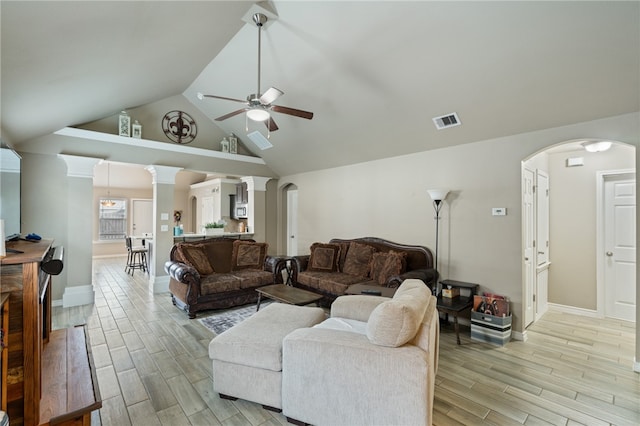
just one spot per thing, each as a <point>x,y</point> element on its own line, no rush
<point>438,196</point>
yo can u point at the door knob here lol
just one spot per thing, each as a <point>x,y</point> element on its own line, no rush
<point>609,253</point>
<point>293,236</point>
<point>526,258</point>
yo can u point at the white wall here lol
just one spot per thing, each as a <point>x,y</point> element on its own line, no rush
<point>572,275</point>
<point>388,199</point>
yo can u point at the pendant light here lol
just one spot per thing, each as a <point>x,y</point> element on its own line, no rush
<point>108,202</point>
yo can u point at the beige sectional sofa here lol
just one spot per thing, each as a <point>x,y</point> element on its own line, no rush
<point>374,361</point>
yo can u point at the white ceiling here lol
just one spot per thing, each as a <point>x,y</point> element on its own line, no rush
<point>374,73</point>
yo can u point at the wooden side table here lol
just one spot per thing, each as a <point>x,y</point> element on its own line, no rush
<point>457,305</point>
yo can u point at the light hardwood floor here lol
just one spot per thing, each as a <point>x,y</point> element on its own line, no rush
<point>153,367</point>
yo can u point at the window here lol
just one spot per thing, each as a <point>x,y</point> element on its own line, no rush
<point>113,219</point>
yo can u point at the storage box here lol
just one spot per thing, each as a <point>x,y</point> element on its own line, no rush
<point>450,293</point>
<point>490,329</point>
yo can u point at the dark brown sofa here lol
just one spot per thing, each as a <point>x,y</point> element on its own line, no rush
<point>219,273</point>
<point>368,260</point>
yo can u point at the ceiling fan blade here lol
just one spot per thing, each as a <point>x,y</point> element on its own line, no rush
<point>271,125</point>
<point>222,97</point>
<point>231,114</point>
<point>270,95</point>
<point>292,111</point>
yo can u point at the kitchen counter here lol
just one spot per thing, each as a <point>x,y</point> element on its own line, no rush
<point>192,236</point>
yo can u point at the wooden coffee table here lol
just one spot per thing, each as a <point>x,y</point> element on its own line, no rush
<point>287,294</point>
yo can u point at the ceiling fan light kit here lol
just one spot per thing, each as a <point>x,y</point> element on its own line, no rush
<point>258,106</point>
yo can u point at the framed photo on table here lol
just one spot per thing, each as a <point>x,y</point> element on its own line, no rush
<point>233,144</point>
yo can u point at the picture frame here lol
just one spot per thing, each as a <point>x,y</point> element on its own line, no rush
<point>233,145</point>
<point>136,130</point>
<point>124,125</point>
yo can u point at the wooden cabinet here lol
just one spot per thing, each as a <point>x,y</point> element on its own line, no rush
<point>29,327</point>
<point>4,348</point>
<point>242,193</point>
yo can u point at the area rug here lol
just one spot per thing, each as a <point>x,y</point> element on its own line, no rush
<point>224,320</point>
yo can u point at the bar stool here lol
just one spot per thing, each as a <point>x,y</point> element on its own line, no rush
<point>136,257</point>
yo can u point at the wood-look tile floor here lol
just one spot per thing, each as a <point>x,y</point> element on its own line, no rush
<point>153,367</point>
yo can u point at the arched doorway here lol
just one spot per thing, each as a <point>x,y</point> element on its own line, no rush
<point>563,267</point>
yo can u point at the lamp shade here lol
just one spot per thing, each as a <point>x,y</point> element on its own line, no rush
<point>438,194</point>
<point>596,146</point>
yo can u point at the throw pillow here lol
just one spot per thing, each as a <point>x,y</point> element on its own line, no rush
<point>195,256</point>
<point>386,265</point>
<point>358,259</point>
<point>248,255</point>
<point>324,257</point>
<point>396,322</point>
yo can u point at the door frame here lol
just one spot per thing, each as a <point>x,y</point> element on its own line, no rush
<point>600,237</point>
<point>292,221</point>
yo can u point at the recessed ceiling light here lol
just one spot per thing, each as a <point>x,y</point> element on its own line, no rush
<point>596,146</point>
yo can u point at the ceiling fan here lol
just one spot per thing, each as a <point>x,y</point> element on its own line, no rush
<point>259,105</point>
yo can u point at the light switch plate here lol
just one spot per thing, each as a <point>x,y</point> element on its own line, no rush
<point>164,216</point>
<point>164,228</point>
<point>499,211</point>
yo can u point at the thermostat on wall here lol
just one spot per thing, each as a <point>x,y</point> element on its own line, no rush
<point>499,211</point>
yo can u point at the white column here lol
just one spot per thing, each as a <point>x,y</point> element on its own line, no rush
<point>164,178</point>
<point>78,251</point>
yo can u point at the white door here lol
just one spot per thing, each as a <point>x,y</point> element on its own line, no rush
<point>528,229</point>
<point>541,290</point>
<point>292,222</point>
<point>542,218</point>
<point>142,217</point>
<point>620,246</point>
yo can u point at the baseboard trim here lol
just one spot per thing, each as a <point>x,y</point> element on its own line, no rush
<point>573,310</point>
<point>159,284</point>
<point>78,295</point>
<point>521,336</point>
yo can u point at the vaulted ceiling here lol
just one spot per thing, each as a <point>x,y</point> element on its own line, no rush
<point>374,73</point>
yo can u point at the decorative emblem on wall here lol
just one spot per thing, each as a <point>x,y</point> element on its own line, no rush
<point>179,127</point>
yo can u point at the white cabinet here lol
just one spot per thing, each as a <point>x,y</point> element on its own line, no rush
<point>211,200</point>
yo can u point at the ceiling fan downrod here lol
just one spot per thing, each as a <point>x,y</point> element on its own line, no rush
<point>259,20</point>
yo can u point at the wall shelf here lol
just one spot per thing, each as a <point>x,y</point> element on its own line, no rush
<point>147,143</point>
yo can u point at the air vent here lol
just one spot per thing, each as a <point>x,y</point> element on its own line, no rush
<point>260,141</point>
<point>446,121</point>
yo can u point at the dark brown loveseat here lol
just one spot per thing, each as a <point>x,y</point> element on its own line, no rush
<point>219,273</point>
<point>331,268</point>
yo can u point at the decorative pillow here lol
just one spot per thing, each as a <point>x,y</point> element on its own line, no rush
<point>397,321</point>
<point>358,259</point>
<point>248,255</point>
<point>324,257</point>
<point>386,265</point>
<point>196,256</point>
